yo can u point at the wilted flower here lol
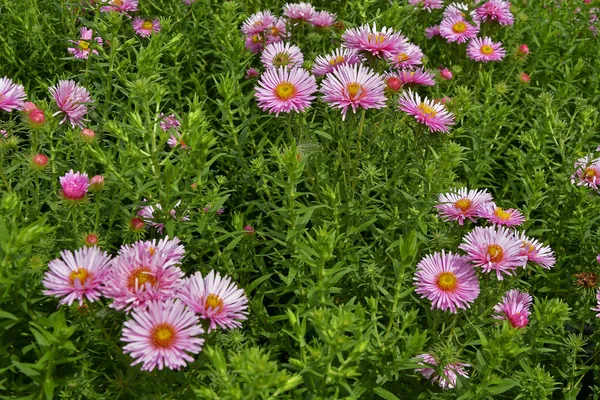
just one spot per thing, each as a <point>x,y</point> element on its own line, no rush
<point>447,380</point>
<point>587,280</point>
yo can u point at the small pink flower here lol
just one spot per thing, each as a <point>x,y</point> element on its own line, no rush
<point>249,230</point>
<point>299,11</point>
<point>145,27</point>
<point>427,4</point>
<point>255,43</point>
<point>383,42</point>
<point>495,10</point>
<point>120,6</point>
<point>430,370</point>
<point>514,308</point>
<point>536,252</point>
<point>417,77</point>
<point>432,31</point>
<point>457,29</point>
<point>461,204</point>
<point>285,90</point>
<point>408,57</point>
<point>74,185</point>
<point>252,73</point>
<point>433,115</point>
<point>169,122</point>
<point>524,78</point>
<point>277,31</point>
<point>177,140</point>
<point>258,22</point>
<point>446,74</point>
<point>82,47</point>
<point>329,63</point>
<point>71,99</point>
<point>587,172</point>
<point>496,215</point>
<point>322,19</point>
<point>281,54</point>
<point>484,50</point>
<point>597,304</point>
<point>12,95</point>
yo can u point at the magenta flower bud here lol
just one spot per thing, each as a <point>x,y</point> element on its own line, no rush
<point>446,74</point>
<point>524,78</point>
<point>91,240</point>
<point>251,73</point>
<point>88,135</point>
<point>394,84</point>
<point>220,211</point>
<point>137,224</point>
<point>249,230</point>
<point>523,50</point>
<point>36,117</point>
<point>74,185</point>
<point>97,183</point>
<point>40,161</point>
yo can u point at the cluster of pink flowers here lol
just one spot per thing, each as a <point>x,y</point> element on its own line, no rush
<point>170,123</point>
<point>144,280</point>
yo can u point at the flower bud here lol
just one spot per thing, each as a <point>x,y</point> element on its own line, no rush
<point>97,183</point>
<point>40,161</point>
<point>88,135</point>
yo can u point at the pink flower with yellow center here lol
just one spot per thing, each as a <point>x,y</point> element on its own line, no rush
<point>383,42</point>
<point>258,22</point>
<point>82,47</point>
<point>447,280</point>
<point>285,90</point>
<point>164,335</point>
<point>496,215</point>
<point>433,115</point>
<point>281,54</point>
<point>72,100</point>
<point>277,31</point>
<point>536,252</point>
<point>461,204</point>
<point>77,276</point>
<point>120,6</point>
<point>417,77</point>
<point>495,10</point>
<point>329,63</point>
<point>255,43</point>
<point>430,370</point>
<point>322,19</point>
<point>587,172</point>
<point>457,29</point>
<point>485,50</point>
<point>514,308</point>
<point>145,27</point>
<point>408,57</point>
<point>12,95</point>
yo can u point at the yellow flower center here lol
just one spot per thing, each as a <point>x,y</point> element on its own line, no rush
<point>256,39</point>
<point>459,27</point>
<point>463,204</point>
<point>487,50</point>
<point>528,246</point>
<point>84,44</point>
<point>495,252</point>
<point>355,90</point>
<point>589,173</point>
<point>378,39</point>
<point>274,31</point>
<point>281,59</point>
<point>503,215</point>
<point>336,61</point>
<point>147,25</point>
<point>139,277</point>
<point>117,3</point>
<point>81,274</point>
<point>213,301</point>
<point>402,57</point>
<point>447,281</point>
<point>163,335</point>
<point>427,110</point>
<point>285,90</point>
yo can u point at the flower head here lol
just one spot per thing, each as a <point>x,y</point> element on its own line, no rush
<point>285,90</point>
<point>96,183</point>
<point>587,172</point>
<point>432,31</point>
<point>457,29</point>
<point>524,78</point>
<point>71,99</point>
<point>40,161</point>
<point>446,74</point>
<point>495,10</point>
<point>255,43</point>
<point>277,31</point>
<point>514,308</point>
<point>82,47</point>
<point>299,11</point>
<point>252,73</point>
<point>447,380</point>
<point>282,54</point>
<point>12,95</point>
<point>120,6</point>
<point>417,77</point>
<point>176,139</point>
<point>329,63</point>
<point>383,42</point>
<point>496,215</point>
<point>523,50</point>
<point>461,204</point>
<point>164,335</point>
<point>74,185</point>
<point>145,27</point>
<point>536,252</point>
<point>484,50</point>
<point>426,112</point>
<point>407,57</point>
<point>427,4</point>
<point>215,298</point>
<point>322,19</point>
<point>76,276</point>
<point>147,212</point>
<point>258,22</point>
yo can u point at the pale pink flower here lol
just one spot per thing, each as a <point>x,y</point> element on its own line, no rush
<point>457,29</point>
<point>432,31</point>
<point>383,42</point>
<point>74,185</point>
<point>285,90</point>
<point>461,204</point>
<point>169,122</point>
<point>449,373</point>
<point>417,77</point>
<point>258,22</point>
<point>281,54</point>
<point>120,6</point>
<point>215,298</point>
<point>496,215</point>
<point>597,304</point>
<point>12,95</point>
<point>147,212</point>
<point>171,249</point>
<point>145,27</point>
<point>457,10</point>
<point>329,63</point>
<point>427,4</point>
<point>322,19</point>
<point>485,50</point>
<point>408,56</point>
<point>82,47</point>
<point>77,275</point>
<point>176,139</point>
<point>72,100</point>
<point>536,252</point>
<point>495,10</point>
<point>277,31</point>
<point>433,115</point>
<point>587,172</point>
<point>514,308</point>
<point>299,11</point>
<point>164,335</point>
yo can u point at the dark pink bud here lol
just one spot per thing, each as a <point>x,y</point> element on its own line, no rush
<point>249,230</point>
<point>40,161</point>
<point>394,84</point>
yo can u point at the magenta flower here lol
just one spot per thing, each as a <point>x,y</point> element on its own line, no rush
<point>255,43</point>
<point>74,185</point>
<point>458,10</point>
<point>432,31</point>
<point>514,308</point>
<point>485,50</point>
<point>536,252</point>
<point>353,86</point>
<point>381,43</point>
<point>494,248</point>
<point>120,6</point>
<point>77,275</point>
<point>12,95</point>
<point>446,74</point>
<point>408,57</point>
<point>495,10</point>
<point>164,335</point>
<point>171,250</point>
<point>215,298</point>
<point>457,29</point>
<point>417,77</point>
<point>82,46</point>
<point>177,140</point>
<point>299,11</point>
<point>498,216</point>
<point>448,378</point>
<point>277,31</point>
<point>258,22</point>
<point>145,27</point>
<point>597,304</point>
<point>461,204</point>
<point>322,19</point>
<point>285,90</point>
<point>169,122</point>
<point>433,115</point>
<point>281,54</point>
<point>587,172</point>
<point>447,280</point>
<point>71,99</point>
<point>427,4</point>
<point>329,63</point>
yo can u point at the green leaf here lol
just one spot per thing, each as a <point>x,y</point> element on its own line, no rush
<point>384,394</point>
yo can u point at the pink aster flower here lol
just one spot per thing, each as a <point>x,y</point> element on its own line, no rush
<point>427,4</point>
<point>446,74</point>
<point>171,249</point>
<point>281,54</point>
<point>255,43</point>
<point>536,252</point>
<point>432,31</point>
<point>12,95</point>
<point>461,204</point>
<point>447,280</point>
<point>74,185</point>
<point>457,29</point>
<point>141,274</point>
<point>169,122</point>
<point>189,2</point>
<point>258,22</point>
<point>597,304</point>
<point>277,31</point>
<point>177,140</point>
<point>587,172</point>
<point>495,10</point>
<point>71,99</point>
<point>433,115</point>
<point>417,77</point>
<point>455,10</point>
<point>120,6</point>
<point>329,63</point>
<point>145,27</point>
<point>285,90</point>
<point>494,248</point>
<point>252,73</point>
<point>408,57</point>
<point>498,216</point>
<point>322,19</point>
<point>447,380</point>
<point>353,86</point>
<point>382,43</point>
<point>82,49</point>
<point>514,308</point>
<point>164,335</point>
<point>299,11</point>
<point>215,298</point>
<point>484,50</point>
<point>77,275</point>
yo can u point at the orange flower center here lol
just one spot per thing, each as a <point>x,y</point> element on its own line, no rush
<point>487,50</point>
<point>163,335</point>
<point>495,252</point>
<point>152,250</point>
<point>117,2</point>
<point>447,281</point>
<point>589,173</point>
<point>336,61</point>
<point>528,247</point>
<point>379,39</point>
<point>81,274</point>
<point>463,204</point>
<point>281,59</point>
<point>503,215</point>
<point>355,90</point>
<point>402,57</point>
<point>147,25</point>
<point>213,301</point>
<point>427,110</point>
<point>84,44</point>
<point>285,90</point>
<point>274,31</point>
<point>459,27</point>
<point>139,277</point>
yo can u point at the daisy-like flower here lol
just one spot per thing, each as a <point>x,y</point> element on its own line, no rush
<point>417,77</point>
<point>514,308</point>
<point>252,73</point>
<point>76,276</point>
<point>74,185</point>
<point>258,22</point>
<point>587,172</point>
<point>140,274</point>
<point>71,99</point>
<point>172,249</point>
<point>447,280</point>
<point>215,298</point>
<point>120,6</point>
<point>255,43</point>
<point>457,10</point>
<point>408,57</point>
<point>433,115</point>
<point>494,248</point>
<point>281,54</point>
<point>169,122</point>
<point>496,215</point>
<point>285,90</point>
<point>329,63</point>
<point>461,204</point>
<point>457,29</point>
<point>322,19</point>
<point>384,42</point>
<point>277,31</point>
<point>536,252</point>
<point>495,10</point>
<point>12,95</point>
<point>177,140</point>
<point>164,335</point>
<point>353,86</point>
<point>597,304</point>
<point>427,4</point>
<point>145,27</point>
<point>82,46</point>
<point>485,50</point>
<point>447,380</point>
<point>299,11</point>
<point>432,31</point>
<point>147,212</point>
